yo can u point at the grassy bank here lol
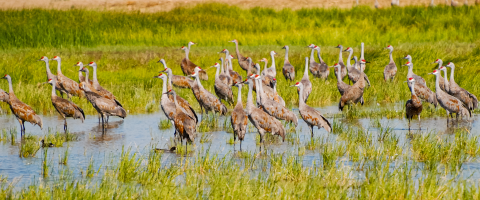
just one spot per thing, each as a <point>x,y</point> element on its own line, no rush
<point>127,46</point>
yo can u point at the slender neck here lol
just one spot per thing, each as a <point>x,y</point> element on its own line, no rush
<point>175,100</point>
<point>264,67</point>
<point>311,55</point>
<point>221,66</point>
<point>80,72</point>
<point>440,63</point>
<point>217,72</point>
<point>301,102</point>
<point>59,68</point>
<point>189,45</point>
<point>197,78</point>
<point>170,76</point>
<point>361,54</point>
<point>48,67</point>
<point>227,71</point>
<point>339,74</point>
<point>239,96</point>
<point>257,66</point>
<point>410,69</point>
<point>318,55</point>
<point>391,57</point>
<point>349,57</point>
<point>273,61</point>
<point>86,76</point>
<point>409,59</point>
<point>412,89</point>
<point>95,73</point>
<point>452,77</point>
<point>236,49</point>
<point>286,53</point>
<point>230,65</point>
<point>340,58</point>
<point>437,83</point>
<point>259,90</point>
<point>249,98</point>
<point>305,73</point>
<point>53,87</point>
<point>164,87</point>
<point>10,87</point>
<point>186,53</point>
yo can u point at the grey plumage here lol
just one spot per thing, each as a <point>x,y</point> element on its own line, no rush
<point>306,82</point>
<point>448,102</point>
<point>391,69</point>
<point>340,62</point>
<point>206,99</point>
<point>311,116</point>
<point>463,95</point>
<point>288,70</point>
<point>64,107</point>
<point>239,118</point>
<point>421,90</point>
<point>222,90</point>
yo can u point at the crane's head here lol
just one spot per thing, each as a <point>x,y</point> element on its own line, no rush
<point>230,57</point>
<point>234,40</point>
<point>363,61</point>
<point>257,77</point>
<point>274,80</point>
<point>6,76</point>
<point>84,69</point>
<point>43,58</point>
<point>390,47</point>
<point>336,65</point>
<point>83,86</point>
<point>162,61</point>
<point>407,57</point>
<point>285,47</point>
<point>57,58</point>
<point>216,65</point>
<point>349,49</point>
<point>311,46</point>
<point>438,61</point>
<point>183,48</point>
<point>191,43</point>
<point>273,53</point>
<point>408,64</point>
<point>92,64</point>
<point>171,92</point>
<point>450,64</point>
<point>411,80</point>
<point>263,60</point>
<point>442,68</point>
<point>316,47</point>
<point>224,51</point>
<point>78,64</point>
<point>339,46</point>
<point>435,72</point>
<point>50,81</point>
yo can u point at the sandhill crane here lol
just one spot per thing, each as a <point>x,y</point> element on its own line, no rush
<point>23,112</point>
<point>274,108</point>
<point>81,78</point>
<point>271,70</point>
<point>280,99</point>
<point>188,66</point>
<point>314,66</point>
<point>224,75</point>
<point>51,76</point>
<point>448,102</point>
<point>184,124</point>
<point>222,90</point>
<point>64,107</point>
<point>354,94</point>
<point>414,105</point>
<point>100,90</point>
<point>235,75</point>
<point>342,86</point>
<point>181,101</point>
<point>239,118</point>
<point>306,82</point>
<point>266,79</point>
<point>179,81</point>
<point>340,62</point>
<point>104,106</point>
<point>422,90</point>
<point>443,81</point>
<point>391,69</point>
<point>311,116</point>
<point>251,69</point>
<point>357,72</point>
<point>206,99</point>
<point>463,95</point>
<point>418,79</point>
<point>377,5</point>
<point>4,96</point>
<point>288,69</point>
<point>261,120</point>
<point>268,91</point>
<point>70,86</point>
<point>167,105</point>
<point>242,61</point>
<point>323,68</point>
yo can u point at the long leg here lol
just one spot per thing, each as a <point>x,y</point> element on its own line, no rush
<point>65,125</point>
<point>409,118</point>
<point>311,130</point>
<point>240,145</point>
<point>448,113</point>
<point>419,122</point>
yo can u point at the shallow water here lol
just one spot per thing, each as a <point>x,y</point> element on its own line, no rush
<point>141,133</point>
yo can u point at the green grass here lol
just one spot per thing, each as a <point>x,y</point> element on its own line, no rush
<point>127,45</point>
<point>164,124</point>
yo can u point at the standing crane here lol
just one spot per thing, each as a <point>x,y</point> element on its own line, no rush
<point>443,80</point>
<point>188,66</point>
<point>353,73</point>
<point>235,75</point>
<point>277,98</point>
<point>23,112</point>
<point>51,76</point>
<point>266,79</point>
<point>239,118</point>
<point>323,69</point>
<point>354,94</point>
<point>421,90</point>
<point>70,86</point>
<point>242,61</point>
<point>184,124</point>
<point>168,106</point>
<point>448,102</point>
<point>81,78</point>
<point>224,74</point>
<point>288,69</point>
<point>463,95</point>
<point>306,82</point>
<point>271,70</point>
<point>65,107</point>
<point>105,93</point>
<point>391,69</point>
<point>222,90</point>
<point>314,66</point>
<point>274,108</point>
<point>206,99</point>
<point>179,81</point>
<point>414,105</point>
<point>261,120</point>
<point>340,62</point>
<point>311,116</point>
<point>418,79</point>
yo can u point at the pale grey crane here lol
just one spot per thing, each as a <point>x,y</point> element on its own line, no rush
<point>167,105</point>
<point>414,104</point>
<point>340,62</point>
<point>323,68</point>
<point>81,78</point>
<point>288,69</point>
<point>176,80</point>
<point>422,90</point>
<point>314,66</point>
<point>311,116</point>
<point>185,125</point>
<point>268,91</point>
<point>224,75</point>
<point>188,66</point>
<point>52,76</point>
<point>463,95</point>
<point>70,86</point>
<point>391,69</point>
<point>242,61</point>
<point>354,94</point>
<point>443,84</point>
<point>206,99</point>
<point>448,102</point>
<point>239,118</point>
<point>22,111</point>
<point>274,108</point>
<point>222,90</point>
<point>261,120</point>
<point>271,70</point>
<point>418,79</point>
<point>361,67</point>
<point>306,82</point>
<point>266,79</point>
<point>65,107</point>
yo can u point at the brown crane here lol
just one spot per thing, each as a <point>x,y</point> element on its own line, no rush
<point>242,61</point>
<point>51,76</point>
<point>206,99</point>
<point>311,116</point>
<point>224,74</point>
<point>463,95</point>
<point>421,89</point>
<point>239,118</point>
<point>266,79</point>
<point>443,80</point>
<point>81,78</point>
<point>176,80</point>
<point>261,120</point>
<point>340,62</point>
<point>342,86</point>
<point>414,105</point>
<point>105,93</point>
<point>306,82</point>
<point>391,69</point>
<point>70,86</point>
<point>23,112</point>
<point>65,107</point>
<point>320,70</point>
<point>222,90</point>
<point>4,96</point>
<point>188,66</point>
<point>185,125</point>
<point>288,69</point>
<point>354,94</point>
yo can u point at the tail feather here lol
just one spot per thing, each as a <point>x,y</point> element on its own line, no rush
<point>329,126</point>
<point>118,103</point>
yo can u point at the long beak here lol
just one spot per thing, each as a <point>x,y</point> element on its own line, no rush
<point>293,86</point>
<point>367,62</point>
<point>162,71</point>
<point>155,77</point>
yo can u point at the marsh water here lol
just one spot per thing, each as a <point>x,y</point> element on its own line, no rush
<point>141,133</point>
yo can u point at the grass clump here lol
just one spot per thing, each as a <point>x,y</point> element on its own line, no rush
<point>164,124</point>
<point>29,146</point>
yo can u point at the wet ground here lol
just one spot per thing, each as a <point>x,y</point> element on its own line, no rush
<point>141,133</point>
